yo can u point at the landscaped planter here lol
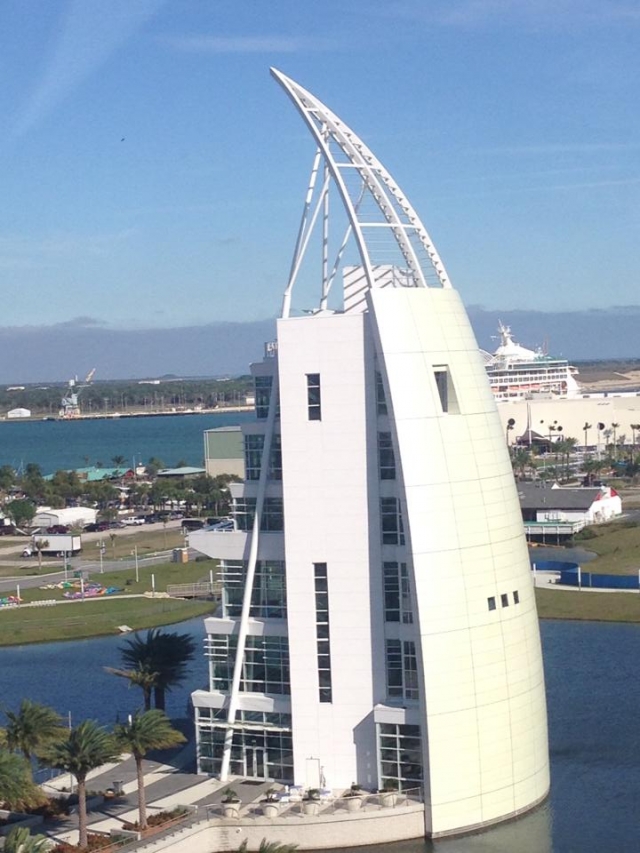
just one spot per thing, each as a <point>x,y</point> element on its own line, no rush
<point>231,809</point>
<point>310,807</point>
<point>388,799</point>
<point>270,808</point>
<point>353,803</point>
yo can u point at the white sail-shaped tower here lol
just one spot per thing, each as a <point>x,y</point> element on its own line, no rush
<point>378,622</point>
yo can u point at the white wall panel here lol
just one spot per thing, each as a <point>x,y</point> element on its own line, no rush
<point>464,528</point>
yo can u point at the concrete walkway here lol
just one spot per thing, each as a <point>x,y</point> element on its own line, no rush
<point>168,783</point>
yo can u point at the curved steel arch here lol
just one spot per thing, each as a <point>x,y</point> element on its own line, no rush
<point>399,218</point>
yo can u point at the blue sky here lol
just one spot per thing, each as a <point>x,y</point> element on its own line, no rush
<point>153,172</point>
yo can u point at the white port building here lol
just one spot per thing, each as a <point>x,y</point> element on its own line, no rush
<point>76,516</point>
<point>378,621</point>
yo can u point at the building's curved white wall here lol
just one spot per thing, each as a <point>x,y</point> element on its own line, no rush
<point>482,678</point>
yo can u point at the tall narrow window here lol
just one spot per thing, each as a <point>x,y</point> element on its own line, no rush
<point>446,390</point>
<point>381,400</point>
<point>386,457</point>
<point>322,631</point>
<point>391,522</point>
<point>313,397</point>
<point>397,596</point>
<point>263,396</point>
<point>253,445</point>
<point>402,669</point>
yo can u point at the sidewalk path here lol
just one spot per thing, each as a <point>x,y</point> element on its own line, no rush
<point>168,784</point>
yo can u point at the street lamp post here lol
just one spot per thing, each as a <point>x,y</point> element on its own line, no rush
<point>135,554</point>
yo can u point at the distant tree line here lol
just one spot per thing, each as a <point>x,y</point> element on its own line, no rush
<point>21,493</point>
<point>130,395</point>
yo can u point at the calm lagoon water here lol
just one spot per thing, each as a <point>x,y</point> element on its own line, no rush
<point>593,694</point>
<point>74,444</point>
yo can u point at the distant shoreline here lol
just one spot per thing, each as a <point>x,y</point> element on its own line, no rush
<point>220,410</point>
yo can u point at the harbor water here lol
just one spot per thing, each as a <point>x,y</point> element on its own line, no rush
<point>593,695</point>
<point>69,444</point>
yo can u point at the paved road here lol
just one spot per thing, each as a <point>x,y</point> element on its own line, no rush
<point>58,574</point>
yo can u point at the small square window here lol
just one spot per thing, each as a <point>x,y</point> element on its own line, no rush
<point>516,596</point>
<point>491,603</point>
<point>504,598</point>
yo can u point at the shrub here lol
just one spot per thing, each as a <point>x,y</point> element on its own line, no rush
<point>585,533</point>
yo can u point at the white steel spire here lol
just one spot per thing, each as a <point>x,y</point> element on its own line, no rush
<point>386,228</point>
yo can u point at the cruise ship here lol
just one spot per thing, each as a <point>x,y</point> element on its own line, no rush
<point>518,373</point>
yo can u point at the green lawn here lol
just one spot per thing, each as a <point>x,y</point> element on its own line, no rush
<point>589,606</point>
<point>93,618</point>
<point>618,548</point>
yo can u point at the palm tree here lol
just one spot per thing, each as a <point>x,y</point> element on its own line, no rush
<point>20,840</point>
<point>614,427</point>
<point>141,677</point>
<point>165,655</point>
<point>40,545</point>
<point>33,728</point>
<point>87,747</point>
<point>147,731</point>
<point>16,786</point>
<point>592,467</point>
<point>520,460</point>
<point>634,429</point>
<point>270,847</point>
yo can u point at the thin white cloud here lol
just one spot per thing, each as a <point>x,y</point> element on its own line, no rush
<point>91,32</point>
<point>249,44</point>
<point>20,251</point>
<point>544,188</point>
<point>536,13</point>
<point>566,148</point>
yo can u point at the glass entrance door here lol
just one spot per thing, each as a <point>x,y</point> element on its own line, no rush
<point>254,762</point>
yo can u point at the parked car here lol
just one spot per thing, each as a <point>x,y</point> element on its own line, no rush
<point>225,526</point>
<point>133,520</point>
<point>58,528</point>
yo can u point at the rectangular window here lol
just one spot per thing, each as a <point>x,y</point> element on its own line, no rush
<point>400,755</point>
<point>244,510</point>
<point>516,596</point>
<point>391,522</point>
<point>446,390</point>
<point>321,583</point>
<point>381,400</point>
<point>504,598</point>
<point>253,445</point>
<point>269,593</point>
<point>491,602</point>
<point>402,669</point>
<point>266,663</point>
<point>386,457</point>
<point>397,596</point>
<point>263,396</point>
<point>313,397</point>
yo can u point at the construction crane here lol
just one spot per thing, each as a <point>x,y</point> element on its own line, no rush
<point>69,406</point>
